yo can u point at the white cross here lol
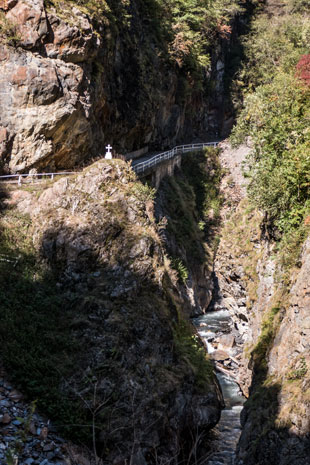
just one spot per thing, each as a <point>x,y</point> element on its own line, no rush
<point>108,154</point>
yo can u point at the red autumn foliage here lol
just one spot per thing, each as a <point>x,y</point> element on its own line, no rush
<point>224,30</point>
<point>303,69</point>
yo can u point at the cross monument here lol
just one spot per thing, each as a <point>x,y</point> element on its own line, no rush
<point>108,154</point>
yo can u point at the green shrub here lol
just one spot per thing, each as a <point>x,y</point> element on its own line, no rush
<point>187,346</point>
<point>273,45</point>
<point>8,30</point>
<point>181,269</point>
<point>143,192</point>
<point>276,116</point>
<point>299,372</point>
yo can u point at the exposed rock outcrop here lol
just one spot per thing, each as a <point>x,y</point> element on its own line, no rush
<point>71,82</point>
<point>277,417</point>
<point>118,352</point>
<point>269,305</point>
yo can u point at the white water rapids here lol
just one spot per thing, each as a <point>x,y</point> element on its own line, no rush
<point>227,432</point>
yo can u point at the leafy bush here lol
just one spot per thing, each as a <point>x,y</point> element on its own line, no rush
<point>143,192</point>
<point>195,23</point>
<point>273,45</point>
<point>180,268</point>
<point>276,116</point>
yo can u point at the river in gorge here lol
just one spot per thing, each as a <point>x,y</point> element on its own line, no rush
<point>218,334</point>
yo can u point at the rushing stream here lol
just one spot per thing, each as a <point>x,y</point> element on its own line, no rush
<point>211,327</point>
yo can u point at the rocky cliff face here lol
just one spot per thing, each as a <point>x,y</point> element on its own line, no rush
<point>275,419</point>
<point>187,207</point>
<point>72,81</point>
<point>269,305</point>
<point>276,416</point>
<point>97,330</point>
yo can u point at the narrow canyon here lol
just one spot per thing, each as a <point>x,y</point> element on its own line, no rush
<point>154,301</point>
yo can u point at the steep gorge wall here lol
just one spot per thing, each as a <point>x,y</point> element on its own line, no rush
<point>269,303</point>
<point>263,257</point>
<point>186,210</point>
<point>72,81</point>
<point>276,417</point>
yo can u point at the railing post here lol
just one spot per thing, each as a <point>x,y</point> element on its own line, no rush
<point>19,180</point>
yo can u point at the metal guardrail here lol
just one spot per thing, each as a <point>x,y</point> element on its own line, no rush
<point>138,168</point>
<point>156,159</point>
<point>9,259</point>
<point>18,178</point>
